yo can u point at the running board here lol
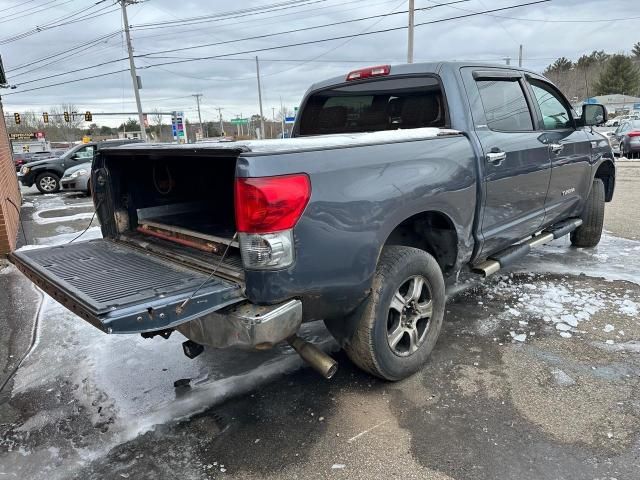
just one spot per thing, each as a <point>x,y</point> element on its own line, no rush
<point>509,255</point>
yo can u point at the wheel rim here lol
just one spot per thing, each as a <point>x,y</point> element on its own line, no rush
<point>48,184</point>
<point>409,316</point>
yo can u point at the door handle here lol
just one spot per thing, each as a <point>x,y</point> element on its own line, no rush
<point>496,158</point>
<point>556,147</point>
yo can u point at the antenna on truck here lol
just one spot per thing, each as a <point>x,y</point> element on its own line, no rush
<point>180,307</point>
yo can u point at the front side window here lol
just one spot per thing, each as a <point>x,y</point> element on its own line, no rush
<point>554,113</point>
<point>505,105</point>
<point>84,153</point>
<point>389,104</point>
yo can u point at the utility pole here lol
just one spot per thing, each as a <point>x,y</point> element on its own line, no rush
<point>198,95</point>
<point>507,60</point>
<point>132,66</point>
<point>221,124</point>
<point>520,57</point>
<point>262,132</point>
<point>273,119</point>
<point>411,28</point>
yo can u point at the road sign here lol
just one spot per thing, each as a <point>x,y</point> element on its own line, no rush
<point>240,121</point>
<point>289,119</point>
<point>86,139</point>
<point>23,136</point>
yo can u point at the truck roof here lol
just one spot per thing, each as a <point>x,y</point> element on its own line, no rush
<point>417,68</point>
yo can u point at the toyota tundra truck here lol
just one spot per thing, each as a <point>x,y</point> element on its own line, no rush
<point>396,179</point>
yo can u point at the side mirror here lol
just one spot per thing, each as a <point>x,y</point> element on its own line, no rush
<point>593,115</point>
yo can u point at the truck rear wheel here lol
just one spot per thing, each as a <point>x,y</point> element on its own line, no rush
<point>402,320</point>
<point>589,233</point>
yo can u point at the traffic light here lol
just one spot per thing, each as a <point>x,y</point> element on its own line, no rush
<point>66,116</point>
<point>16,117</point>
<point>87,116</point>
<point>45,117</point>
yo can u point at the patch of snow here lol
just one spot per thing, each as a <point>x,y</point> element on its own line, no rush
<point>561,378</point>
<point>565,335</point>
<point>520,337</point>
<point>563,327</point>
<point>628,307</point>
<point>608,328</point>
<point>338,466</point>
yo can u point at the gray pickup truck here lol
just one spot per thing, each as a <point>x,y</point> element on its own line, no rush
<point>396,179</point>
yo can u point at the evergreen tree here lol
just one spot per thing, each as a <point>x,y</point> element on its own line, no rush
<point>562,64</point>
<point>619,76</point>
<point>636,50</point>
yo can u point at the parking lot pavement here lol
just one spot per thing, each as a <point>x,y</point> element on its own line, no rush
<point>535,376</point>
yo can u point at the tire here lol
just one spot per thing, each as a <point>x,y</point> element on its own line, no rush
<point>88,191</point>
<point>398,306</point>
<point>48,182</point>
<point>588,234</point>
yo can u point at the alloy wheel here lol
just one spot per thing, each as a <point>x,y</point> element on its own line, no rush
<point>409,316</point>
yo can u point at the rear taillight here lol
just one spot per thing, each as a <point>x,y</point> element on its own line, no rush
<point>634,134</point>
<point>270,204</point>
<point>369,72</point>
<point>267,209</point>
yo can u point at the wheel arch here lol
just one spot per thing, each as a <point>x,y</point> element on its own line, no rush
<point>432,231</point>
<point>606,172</point>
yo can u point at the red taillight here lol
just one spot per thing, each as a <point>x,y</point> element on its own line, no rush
<point>635,133</point>
<point>369,72</point>
<point>270,204</point>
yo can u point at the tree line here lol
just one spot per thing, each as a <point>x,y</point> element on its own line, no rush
<point>597,73</point>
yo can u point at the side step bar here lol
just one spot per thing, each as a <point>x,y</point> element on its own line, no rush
<point>509,255</point>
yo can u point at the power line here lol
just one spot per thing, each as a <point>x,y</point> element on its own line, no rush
<point>18,5</point>
<point>289,45</point>
<point>605,20</point>
<point>228,15</point>
<point>62,52</point>
<point>22,13</point>
<point>50,25</point>
<point>296,30</point>
<point>341,37</point>
<point>384,15</point>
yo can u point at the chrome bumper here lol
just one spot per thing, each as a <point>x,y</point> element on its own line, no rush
<point>245,325</point>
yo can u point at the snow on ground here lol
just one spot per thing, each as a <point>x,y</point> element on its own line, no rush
<point>565,306</point>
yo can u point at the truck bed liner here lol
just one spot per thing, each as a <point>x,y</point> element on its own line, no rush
<point>121,288</point>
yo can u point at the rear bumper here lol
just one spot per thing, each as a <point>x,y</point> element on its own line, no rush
<point>246,325</point>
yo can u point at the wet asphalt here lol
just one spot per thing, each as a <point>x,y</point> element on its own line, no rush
<point>504,394</point>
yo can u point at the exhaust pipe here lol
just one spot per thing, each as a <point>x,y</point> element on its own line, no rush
<point>319,361</point>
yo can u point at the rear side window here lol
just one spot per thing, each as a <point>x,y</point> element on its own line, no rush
<point>505,105</point>
<point>391,104</point>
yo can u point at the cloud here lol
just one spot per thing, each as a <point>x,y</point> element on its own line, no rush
<point>230,83</point>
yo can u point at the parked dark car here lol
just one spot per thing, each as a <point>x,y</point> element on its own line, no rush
<point>626,139</point>
<point>46,174</point>
<point>395,180</point>
<point>20,159</point>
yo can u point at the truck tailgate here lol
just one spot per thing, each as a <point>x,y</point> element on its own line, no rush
<point>121,289</point>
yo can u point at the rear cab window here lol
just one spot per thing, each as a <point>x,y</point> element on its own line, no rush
<point>375,105</point>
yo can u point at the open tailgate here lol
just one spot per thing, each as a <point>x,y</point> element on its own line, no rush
<point>121,289</point>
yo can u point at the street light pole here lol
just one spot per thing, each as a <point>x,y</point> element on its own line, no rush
<point>262,132</point>
<point>132,66</point>
<point>411,28</point>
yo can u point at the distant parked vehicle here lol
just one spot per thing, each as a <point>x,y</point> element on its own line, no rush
<point>626,139</point>
<point>77,179</point>
<point>46,174</point>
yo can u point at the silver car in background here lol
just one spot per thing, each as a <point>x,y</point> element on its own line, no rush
<point>77,179</point>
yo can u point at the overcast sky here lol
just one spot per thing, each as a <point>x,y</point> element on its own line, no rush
<point>230,82</point>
